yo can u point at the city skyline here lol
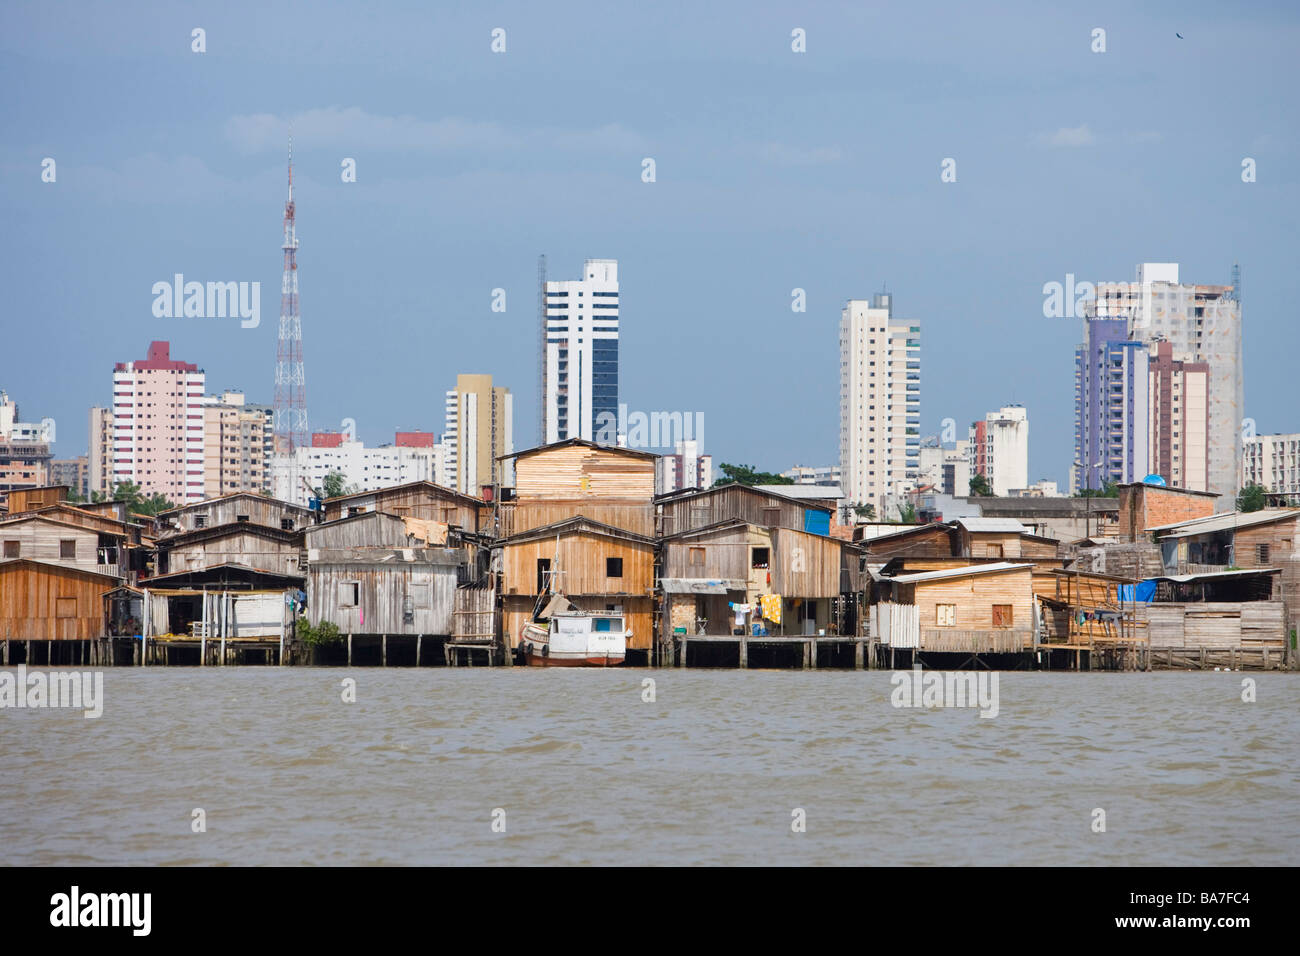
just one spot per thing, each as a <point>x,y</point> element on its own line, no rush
<point>449,206</point>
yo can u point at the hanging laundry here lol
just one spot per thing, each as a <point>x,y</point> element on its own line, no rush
<point>771,604</point>
<point>742,611</point>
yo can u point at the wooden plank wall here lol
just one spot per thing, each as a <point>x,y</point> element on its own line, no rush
<point>719,554</point>
<point>637,517</point>
<point>975,596</point>
<point>1216,625</point>
<point>728,503</point>
<point>418,501</point>
<point>267,512</point>
<point>29,603</point>
<point>582,559</point>
<point>375,530</point>
<point>237,547</point>
<point>820,559</point>
<point>577,471</point>
<point>40,539</point>
<point>382,594</point>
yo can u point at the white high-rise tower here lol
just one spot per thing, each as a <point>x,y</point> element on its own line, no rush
<point>580,363</point>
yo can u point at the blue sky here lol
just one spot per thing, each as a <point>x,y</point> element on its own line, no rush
<point>775,170</point>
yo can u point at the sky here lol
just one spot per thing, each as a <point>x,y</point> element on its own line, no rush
<point>775,170</point>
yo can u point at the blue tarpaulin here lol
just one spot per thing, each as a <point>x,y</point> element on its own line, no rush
<point>1145,592</point>
<point>816,522</point>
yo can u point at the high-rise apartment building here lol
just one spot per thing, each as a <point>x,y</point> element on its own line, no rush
<point>1178,432</point>
<point>946,467</point>
<point>99,450</point>
<point>1111,391</point>
<point>1202,324</point>
<point>999,449</point>
<point>238,441</point>
<point>880,401</point>
<point>158,425</point>
<point>479,429</point>
<point>72,472</point>
<point>685,468</point>
<point>1273,462</point>
<point>580,361</point>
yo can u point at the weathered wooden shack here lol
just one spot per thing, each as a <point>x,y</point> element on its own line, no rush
<point>42,601</point>
<point>979,609</point>
<point>609,485</point>
<point>254,545</point>
<point>33,499</point>
<point>42,537</point>
<point>383,590</point>
<point>708,571</point>
<point>596,566</point>
<point>422,500</point>
<point>691,508</point>
<point>241,507</point>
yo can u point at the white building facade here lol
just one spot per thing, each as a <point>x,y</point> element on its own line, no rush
<point>1273,462</point>
<point>580,361</point>
<point>880,401</point>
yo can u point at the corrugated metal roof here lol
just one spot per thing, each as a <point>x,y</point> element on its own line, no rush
<point>992,524</point>
<point>802,492</point>
<point>1215,575</point>
<point>921,576</point>
<point>1227,522</point>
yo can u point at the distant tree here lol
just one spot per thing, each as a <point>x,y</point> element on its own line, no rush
<point>335,485</point>
<point>1251,498</point>
<point>979,487</point>
<point>137,502</point>
<point>865,511</point>
<point>907,513</point>
<point>746,475</point>
<point>1108,489</point>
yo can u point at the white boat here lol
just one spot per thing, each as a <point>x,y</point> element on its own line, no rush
<point>563,636</point>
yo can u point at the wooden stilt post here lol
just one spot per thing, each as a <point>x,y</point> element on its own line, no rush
<point>419,642</point>
<point>857,655</point>
<point>685,644</point>
<point>744,653</point>
<point>383,650</point>
<point>349,650</point>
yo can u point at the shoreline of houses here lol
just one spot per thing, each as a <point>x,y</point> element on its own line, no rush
<point>730,576</point>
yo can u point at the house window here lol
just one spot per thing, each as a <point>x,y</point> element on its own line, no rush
<point>993,550</point>
<point>353,512</point>
<point>695,558</point>
<point>1261,553</point>
<point>759,558</point>
<point>945,615</point>
<point>200,521</point>
<point>243,518</point>
<point>65,607</point>
<point>771,517</point>
<point>613,567</point>
<point>1002,615</point>
<point>543,572</point>
<point>420,595</point>
<point>68,549</point>
<point>350,594</point>
<point>11,549</point>
<point>286,524</point>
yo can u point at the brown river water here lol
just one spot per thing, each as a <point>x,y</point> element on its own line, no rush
<point>712,771</point>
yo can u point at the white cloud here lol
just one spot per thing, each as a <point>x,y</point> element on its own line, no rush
<point>1068,137</point>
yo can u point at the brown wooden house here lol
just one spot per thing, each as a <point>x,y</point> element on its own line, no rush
<point>241,507</point>
<point>692,508</point>
<point>421,500</point>
<point>41,601</point>
<point>610,485</point>
<point>596,566</point>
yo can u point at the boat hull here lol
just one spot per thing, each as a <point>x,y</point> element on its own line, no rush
<point>534,658</point>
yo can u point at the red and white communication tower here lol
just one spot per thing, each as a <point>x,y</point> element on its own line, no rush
<point>290,410</point>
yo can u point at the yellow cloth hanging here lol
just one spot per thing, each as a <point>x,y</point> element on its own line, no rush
<point>771,607</point>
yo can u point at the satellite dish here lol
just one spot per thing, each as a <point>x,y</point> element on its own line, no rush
<point>1154,480</point>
